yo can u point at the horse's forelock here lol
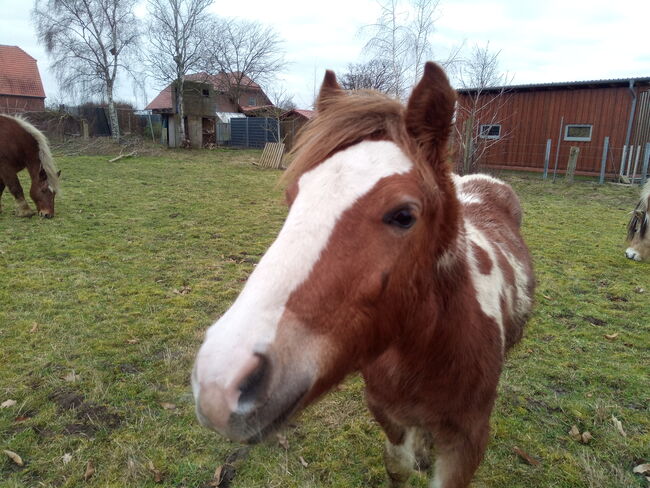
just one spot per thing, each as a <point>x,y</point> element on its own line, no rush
<point>349,119</point>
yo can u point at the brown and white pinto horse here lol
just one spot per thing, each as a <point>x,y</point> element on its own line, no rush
<point>637,229</point>
<point>388,264</point>
<point>23,146</point>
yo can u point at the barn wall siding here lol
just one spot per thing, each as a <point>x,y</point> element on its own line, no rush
<point>529,118</point>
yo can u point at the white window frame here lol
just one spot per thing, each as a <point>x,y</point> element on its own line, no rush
<point>578,139</point>
<point>482,135</point>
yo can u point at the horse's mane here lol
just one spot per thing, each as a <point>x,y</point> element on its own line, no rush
<point>44,154</point>
<point>345,120</point>
<point>641,220</point>
<point>645,197</point>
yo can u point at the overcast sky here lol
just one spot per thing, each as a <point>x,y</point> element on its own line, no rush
<point>554,40</point>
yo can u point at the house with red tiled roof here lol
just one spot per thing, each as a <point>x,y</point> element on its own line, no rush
<point>21,89</point>
<point>204,97</point>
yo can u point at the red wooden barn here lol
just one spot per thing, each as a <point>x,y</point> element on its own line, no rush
<point>21,89</point>
<point>510,126</point>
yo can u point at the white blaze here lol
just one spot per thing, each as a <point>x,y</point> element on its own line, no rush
<point>325,193</point>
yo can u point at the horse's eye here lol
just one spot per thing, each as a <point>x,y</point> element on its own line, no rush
<point>402,218</point>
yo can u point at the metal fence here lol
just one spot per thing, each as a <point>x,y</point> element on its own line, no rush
<point>253,132</point>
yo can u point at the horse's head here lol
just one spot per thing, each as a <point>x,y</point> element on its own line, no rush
<point>372,208</point>
<point>637,229</point>
<point>43,192</point>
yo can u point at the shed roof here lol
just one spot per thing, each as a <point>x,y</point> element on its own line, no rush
<point>163,101</point>
<point>568,85</point>
<point>19,74</point>
<point>307,114</point>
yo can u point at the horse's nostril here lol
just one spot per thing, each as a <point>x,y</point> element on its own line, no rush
<point>252,387</point>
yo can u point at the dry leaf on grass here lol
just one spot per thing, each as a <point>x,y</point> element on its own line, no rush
<point>574,433</point>
<point>303,462</point>
<point>72,377</point>
<point>611,337</point>
<point>525,456</point>
<point>642,469</point>
<point>132,341</point>
<point>168,406</point>
<point>157,475</point>
<point>619,426</point>
<point>7,403</point>
<point>282,440</point>
<point>639,290</point>
<point>223,476</point>
<point>584,437</point>
<point>90,470</point>
<point>184,290</point>
<point>14,457</point>
<point>66,458</point>
<point>34,328</point>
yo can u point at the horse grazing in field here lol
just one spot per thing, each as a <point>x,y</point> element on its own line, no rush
<point>637,228</point>
<point>389,264</point>
<point>23,146</point>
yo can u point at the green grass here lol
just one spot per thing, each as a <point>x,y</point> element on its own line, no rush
<point>145,253</point>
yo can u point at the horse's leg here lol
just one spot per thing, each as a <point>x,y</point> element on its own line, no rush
<point>458,458</point>
<point>403,449</point>
<point>17,191</point>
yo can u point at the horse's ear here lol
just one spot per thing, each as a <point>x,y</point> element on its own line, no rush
<point>329,90</point>
<point>42,175</point>
<point>430,110</point>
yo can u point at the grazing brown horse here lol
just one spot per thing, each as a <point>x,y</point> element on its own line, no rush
<point>23,146</point>
<point>389,264</point>
<point>637,229</point>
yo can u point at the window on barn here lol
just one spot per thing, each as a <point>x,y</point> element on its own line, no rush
<point>490,131</point>
<point>577,132</point>
<point>251,101</point>
<point>206,92</point>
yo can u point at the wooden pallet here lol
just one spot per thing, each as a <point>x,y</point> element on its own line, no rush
<point>272,155</point>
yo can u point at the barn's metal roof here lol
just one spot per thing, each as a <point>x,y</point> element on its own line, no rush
<point>615,82</point>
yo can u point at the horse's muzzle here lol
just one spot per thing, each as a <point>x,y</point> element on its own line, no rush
<point>256,404</point>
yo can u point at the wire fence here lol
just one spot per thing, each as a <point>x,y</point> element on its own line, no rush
<point>604,161</point>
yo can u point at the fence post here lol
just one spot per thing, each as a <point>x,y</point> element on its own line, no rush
<point>246,132</point>
<point>646,160</point>
<point>547,158</point>
<point>571,166</point>
<point>636,163</point>
<point>603,161</point>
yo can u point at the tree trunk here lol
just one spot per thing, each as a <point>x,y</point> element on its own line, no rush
<point>180,111</point>
<point>112,114</point>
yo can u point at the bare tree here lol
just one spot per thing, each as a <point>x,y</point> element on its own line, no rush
<point>246,52</point>
<point>421,31</point>
<point>402,37</point>
<point>177,34</point>
<point>89,42</point>
<point>376,74</point>
<point>484,93</point>
<point>391,41</point>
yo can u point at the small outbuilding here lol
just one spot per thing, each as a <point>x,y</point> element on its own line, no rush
<point>526,127</point>
<point>207,100</point>
<point>21,89</point>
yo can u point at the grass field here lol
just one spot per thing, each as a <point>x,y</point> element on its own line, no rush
<point>103,308</point>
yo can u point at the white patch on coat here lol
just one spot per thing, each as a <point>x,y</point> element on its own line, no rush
<point>325,193</point>
<point>401,459</point>
<point>489,287</point>
<point>468,198</point>
<point>632,253</point>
